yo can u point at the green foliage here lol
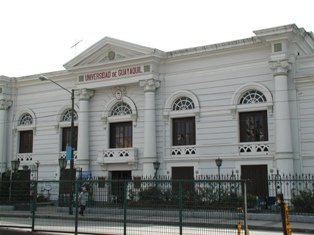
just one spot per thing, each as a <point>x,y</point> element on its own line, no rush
<point>303,201</point>
<point>191,197</point>
<point>251,200</point>
<point>151,196</point>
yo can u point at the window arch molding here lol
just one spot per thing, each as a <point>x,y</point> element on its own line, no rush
<point>60,123</point>
<point>18,117</point>
<point>107,118</point>
<point>170,113</point>
<point>236,107</point>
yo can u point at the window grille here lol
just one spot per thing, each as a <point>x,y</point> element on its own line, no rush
<point>183,103</point>
<point>26,120</point>
<point>252,97</point>
<point>121,109</point>
<point>67,116</point>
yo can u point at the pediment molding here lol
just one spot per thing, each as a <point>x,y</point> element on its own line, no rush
<point>106,51</point>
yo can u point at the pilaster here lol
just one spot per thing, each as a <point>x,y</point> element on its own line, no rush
<point>5,104</point>
<point>149,154</point>
<point>283,137</point>
<point>83,159</point>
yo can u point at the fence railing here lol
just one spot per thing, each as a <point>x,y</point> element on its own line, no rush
<point>297,189</point>
<point>127,206</point>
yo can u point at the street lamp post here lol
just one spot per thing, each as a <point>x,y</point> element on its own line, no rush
<point>62,165</point>
<point>37,163</point>
<point>44,78</point>
<point>156,167</point>
<point>218,164</point>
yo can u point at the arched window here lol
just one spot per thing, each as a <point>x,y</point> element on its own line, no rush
<point>183,128</point>
<point>25,120</point>
<point>67,116</point>
<point>65,123</point>
<point>121,132</point>
<point>252,97</point>
<point>182,110</point>
<point>183,103</point>
<point>25,127</point>
<point>253,124</point>
<point>252,104</point>
<point>120,116</point>
<point>120,109</point>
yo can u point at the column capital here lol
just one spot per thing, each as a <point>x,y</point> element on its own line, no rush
<point>85,94</point>
<point>5,104</point>
<point>280,67</point>
<point>150,84</point>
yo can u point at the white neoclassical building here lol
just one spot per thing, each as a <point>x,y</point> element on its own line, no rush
<point>249,102</point>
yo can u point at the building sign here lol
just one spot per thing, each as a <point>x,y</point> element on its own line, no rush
<point>115,73</point>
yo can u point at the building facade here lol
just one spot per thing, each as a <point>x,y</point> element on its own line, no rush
<point>248,102</point>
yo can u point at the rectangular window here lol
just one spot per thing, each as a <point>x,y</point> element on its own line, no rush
<point>26,142</point>
<point>253,126</point>
<point>121,135</point>
<point>66,138</point>
<point>183,131</point>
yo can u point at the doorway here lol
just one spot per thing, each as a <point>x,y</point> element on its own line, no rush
<point>117,184</point>
<point>257,179</point>
<point>184,174</point>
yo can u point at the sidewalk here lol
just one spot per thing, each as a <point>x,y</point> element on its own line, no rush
<point>264,225</point>
<point>272,222</point>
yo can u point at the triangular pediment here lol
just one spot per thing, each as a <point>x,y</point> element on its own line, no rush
<point>108,50</point>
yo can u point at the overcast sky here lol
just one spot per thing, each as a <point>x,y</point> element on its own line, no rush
<point>37,35</point>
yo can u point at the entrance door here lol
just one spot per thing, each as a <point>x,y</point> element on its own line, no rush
<point>117,185</point>
<point>181,173</point>
<point>257,176</point>
<point>186,174</point>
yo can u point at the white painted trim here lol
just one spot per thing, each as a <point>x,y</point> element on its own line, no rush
<point>235,107</point>
<point>106,118</point>
<point>169,113</point>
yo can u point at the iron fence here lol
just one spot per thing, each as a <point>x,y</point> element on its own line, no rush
<point>138,206</point>
<point>297,190</point>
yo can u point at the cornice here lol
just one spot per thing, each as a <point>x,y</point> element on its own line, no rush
<point>214,47</point>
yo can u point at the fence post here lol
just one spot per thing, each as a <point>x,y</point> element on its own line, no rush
<point>180,206</point>
<point>124,205</point>
<point>33,204</point>
<point>246,231</point>
<point>76,205</point>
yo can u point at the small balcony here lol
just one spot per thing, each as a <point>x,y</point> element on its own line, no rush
<point>63,154</point>
<point>121,155</point>
<point>254,147</point>
<point>24,157</point>
<point>181,150</point>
